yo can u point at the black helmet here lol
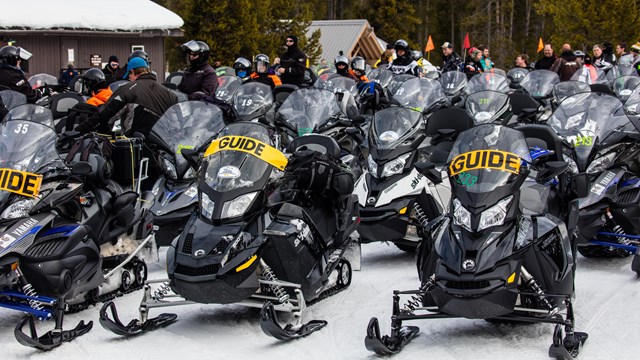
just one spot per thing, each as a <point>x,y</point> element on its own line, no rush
<point>416,55</point>
<point>140,54</point>
<point>261,61</point>
<point>11,54</point>
<point>93,80</point>
<point>196,47</point>
<point>401,45</point>
<point>242,67</point>
<point>341,59</point>
<point>358,64</point>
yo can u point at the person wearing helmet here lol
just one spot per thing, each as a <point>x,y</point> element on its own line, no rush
<point>122,73</point>
<point>359,69</point>
<point>262,73</point>
<point>342,66</point>
<point>11,75</point>
<point>243,68</point>
<point>200,79</point>
<point>95,85</point>
<point>403,64</point>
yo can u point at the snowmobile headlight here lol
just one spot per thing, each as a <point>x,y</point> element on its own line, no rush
<point>389,136</point>
<point>238,206</point>
<point>169,168</point>
<point>483,117</point>
<point>373,167</point>
<point>18,209</point>
<point>229,172</point>
<point>495,215</point>
<point>206,206</point>
<point>625,92</point>
<point>461,216</point>
<point>395,166</point>
<point>632,108</point>
<point>600,164</point>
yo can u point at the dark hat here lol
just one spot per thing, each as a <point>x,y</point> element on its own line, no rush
<point>447,45</point>
<point>389,46</point>
<point>294,38</point>
<point>113,58</point>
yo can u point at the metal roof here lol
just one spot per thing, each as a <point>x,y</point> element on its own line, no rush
<point>353,37</point>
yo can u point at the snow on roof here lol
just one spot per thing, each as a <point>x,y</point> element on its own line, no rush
<point>123,15</point>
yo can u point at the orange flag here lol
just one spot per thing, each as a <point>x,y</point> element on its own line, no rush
<point>540,45</point>
<point>429,46</point>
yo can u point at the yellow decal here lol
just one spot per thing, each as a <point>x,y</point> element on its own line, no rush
<point>20,182</point>
<point>257,148</point>
<point>247,264</point>
<point>511,278</point>
<point>485,159</point>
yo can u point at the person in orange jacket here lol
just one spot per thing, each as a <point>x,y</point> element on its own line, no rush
<point>96,85</point>
<point>262,73</point>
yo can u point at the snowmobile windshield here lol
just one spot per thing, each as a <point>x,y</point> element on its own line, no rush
<point>632,105</point>
<point>569,88</point>
<point>539,84</point>
<point>40,80</point>
<point>486,106</point>
<point>486,157</point>
<point>11,98</point>
<point>232,169</point>
<point>307,110</point>
<point>420,94</point>
<point>592,75</point>
<point>227,85</point>
<point>397,81</point>
<point>186,125</point>
<point>624,86</point>
<point>589,121</point>
<point>394,125</point>
<point>453,82</point>
<point>487,81</point>
<point>336,83</point>
<point>382,76</point>
<point>225,70</point>
<point>252,98</point>
<point>624,70</point>
<point>517,74</point>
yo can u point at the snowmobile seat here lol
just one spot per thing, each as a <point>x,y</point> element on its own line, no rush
<point>543,136</point>
<point>602,88</point>
<point>443,127</point>
<point>280,93</point>
<point>316,142</point>
<point>522,101</point>
<point>174,78</point>
<point>61,103</point>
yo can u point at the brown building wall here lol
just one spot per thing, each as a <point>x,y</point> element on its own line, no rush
<point>50,51</point>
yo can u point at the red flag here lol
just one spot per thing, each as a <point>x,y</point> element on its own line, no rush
<point>467,43</point>
<point>430,45</point>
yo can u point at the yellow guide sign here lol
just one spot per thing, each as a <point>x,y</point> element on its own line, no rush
<point>485,159</point>
<point>257,148</point>
<point>20,182</point>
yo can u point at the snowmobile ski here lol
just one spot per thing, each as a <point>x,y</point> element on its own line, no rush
<point>568,348</point>
<point>388,345</point>
<point>270,325</point>
<point>135,326</point>
<point>51,339</point>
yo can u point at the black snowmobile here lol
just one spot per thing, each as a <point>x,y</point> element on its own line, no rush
<point>241,247</point>
<point>492,257</point>
<point>69,236</point>
<point>187,125</point>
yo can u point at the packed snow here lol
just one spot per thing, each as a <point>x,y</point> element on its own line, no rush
<point>123,15</point>
<point>606,295</point>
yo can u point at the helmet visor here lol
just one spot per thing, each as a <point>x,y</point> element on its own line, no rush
<point>358,64</point>
<point>24,54</point>
<point>190,46</point>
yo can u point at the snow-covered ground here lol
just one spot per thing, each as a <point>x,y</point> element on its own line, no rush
<point>605,306</point>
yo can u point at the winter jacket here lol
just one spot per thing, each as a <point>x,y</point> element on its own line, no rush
<point>451,63</point>
<point>565,66</point>
<point>626,59</point>
<point>67,75</point>
<point>13,78</point>
<point>486,63</point>
<point>347,73</point>
<point>545,63</point>
<point>472,68</point>
<point>294,63</point>
<point>605,61</point>
<point>110,74</point>
<point>404,65</point>
<point>146,100</point>
<point>198,82</point>
<point>267,79</point>
<point>101,97</point>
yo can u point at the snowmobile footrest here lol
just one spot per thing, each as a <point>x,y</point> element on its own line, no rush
<point>270,326</point>
<point>569,348</point>
<point>387,345</point>
<point>135,327</point>
<point>51,339</point>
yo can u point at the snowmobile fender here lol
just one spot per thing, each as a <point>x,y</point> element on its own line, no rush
<point>600,187</point>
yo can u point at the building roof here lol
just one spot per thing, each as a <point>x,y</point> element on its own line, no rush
<point>353,37</point>
<point>110,15</point>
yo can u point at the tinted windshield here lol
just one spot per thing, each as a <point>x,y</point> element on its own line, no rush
<point>227,85</point>
<point>487,81</point>
<point>336,83</point>
<point>308,109</point>
<point>394,125</point>
<point>590,76</point>
<point>11,98</point>
<point>397,81</point>
<point>569,88</point>
<point>420,94</point>
<point>485,106</point>
<point>509,147</point>
<point>381,75</point>
<point>252,98</point>
<point>39,80</point>
<point>539,83</point>
<point>517,74</point>
<point>632,104</point>
<point>624,86</point>
<point>187,125</point>
<point>453,82</point>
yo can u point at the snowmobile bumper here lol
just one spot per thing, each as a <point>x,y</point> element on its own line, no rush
<point>496,303</point>
<point>226,289</point>
<point>383,223</point>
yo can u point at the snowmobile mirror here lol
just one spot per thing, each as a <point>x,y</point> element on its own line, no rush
<point>580,185</point>
<point>429,171</point>
<point>81,168</point>
<point>192,157</point>
<point>551,169</point>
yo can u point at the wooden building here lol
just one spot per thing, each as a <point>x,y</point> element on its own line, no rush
<point>353,37</point>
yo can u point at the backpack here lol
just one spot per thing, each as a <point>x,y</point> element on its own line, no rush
<point>78,114</point>
<point>96,150</point>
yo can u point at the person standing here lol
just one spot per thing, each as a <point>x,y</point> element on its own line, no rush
<point>451,60</point>
<point>292,63</point>
<point>200,79</point>
<point>68,74</point>
<point>566,65</point>
<point>547,59</point>
<point>110,70</point>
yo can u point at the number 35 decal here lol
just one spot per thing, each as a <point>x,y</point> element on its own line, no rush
<point>22,128</point>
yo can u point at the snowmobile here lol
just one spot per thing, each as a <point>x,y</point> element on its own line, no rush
<point>604,149</point>
<point>336,83</point>
<point>69,236</point>
<point>253,100</point>
<point>227,85</point>
<point>535,103</point>
<point>187,125</point>
<point>11,98</point>
<point>487,81</point>
<point>492,257</point>
<point>276,253</point>
<point>453,83</point>
<point>488,106</point>
<point>624,86</point>
<point>516,75</point>
<point>420,94</point>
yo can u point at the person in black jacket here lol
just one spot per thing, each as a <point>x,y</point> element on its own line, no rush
<point>293,63</point>
<point>11,76</point>
<point>547,59</point>
<point>403,63</point>
<point>200,79</point>
<point>450,60</point>
<point>146,100</point>
<point>111,69</point>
